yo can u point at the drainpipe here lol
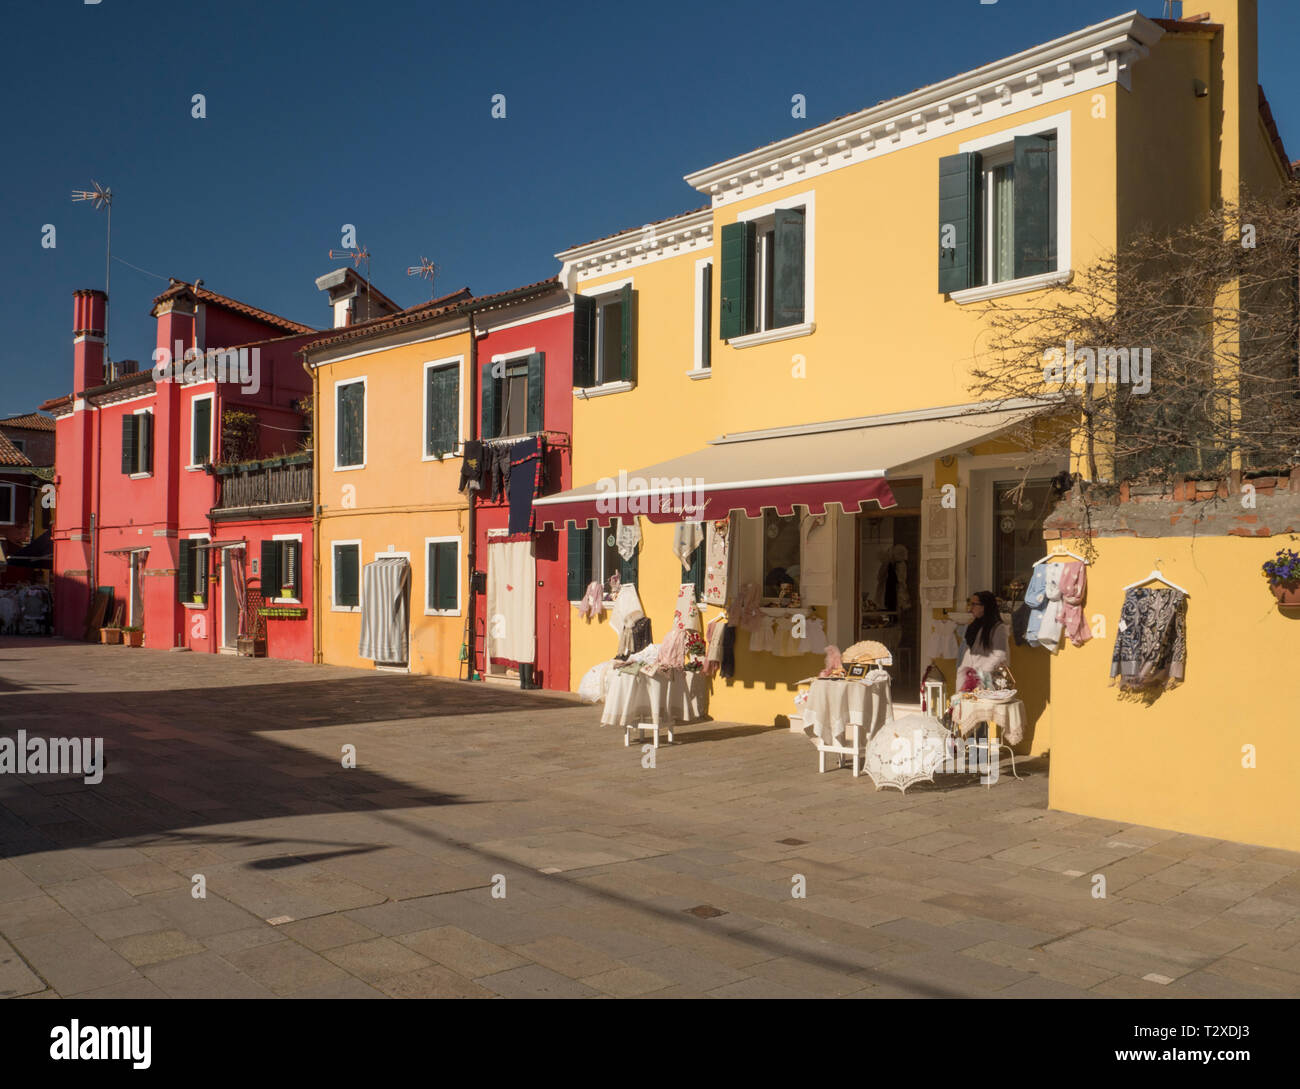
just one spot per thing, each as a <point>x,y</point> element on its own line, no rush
<point>471,552</point>
<point>317,651</point>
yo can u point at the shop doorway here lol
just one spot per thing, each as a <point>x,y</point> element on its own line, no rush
<point>229,599</point>
<point>888,585</point>
<point>137,589</point>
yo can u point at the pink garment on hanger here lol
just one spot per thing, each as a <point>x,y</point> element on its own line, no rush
<point>1074,586</point>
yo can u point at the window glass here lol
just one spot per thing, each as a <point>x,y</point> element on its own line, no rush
<point>780,552</point>
<point>7,502</point>
<point>513,401</point>
<point>201,448</point>
<point>1002,183</point>
<point>347,570</point>
<point>610,355</point>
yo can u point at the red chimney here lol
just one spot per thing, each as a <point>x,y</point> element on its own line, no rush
<point>88,310</point>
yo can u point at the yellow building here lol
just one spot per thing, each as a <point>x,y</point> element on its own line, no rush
<point>391,410</point>
<point>801,339</point>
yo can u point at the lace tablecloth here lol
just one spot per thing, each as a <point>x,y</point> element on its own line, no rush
<point>1007,715</point>
<point>836,705</point>
<point>664,699</point>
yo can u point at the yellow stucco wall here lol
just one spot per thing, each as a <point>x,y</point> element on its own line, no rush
<point>398,499</point>
<point>1176,761</point>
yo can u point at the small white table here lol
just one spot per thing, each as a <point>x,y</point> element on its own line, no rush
<point>1005,718</point>
<point>640,702</point>
<point>844,714</point>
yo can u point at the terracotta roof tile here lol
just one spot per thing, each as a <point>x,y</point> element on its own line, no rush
<point>180,287</point>
<point>11,455</point>
<point>32,421</point>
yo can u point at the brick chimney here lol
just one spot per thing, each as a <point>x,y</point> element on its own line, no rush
<point>89,307</point>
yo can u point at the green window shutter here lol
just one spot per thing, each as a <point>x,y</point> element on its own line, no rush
<point>695,573</point>
<point>1035,188</point>
<point>536,392</point>
<point>788,246</point>
<point>445,568</point>
<point>201,556</point>
<point>736,306</point>
<point>129,440</point>
<point>351,423</point>
<point>442,410</point>
<point>146,443</point>
<point>346,561</point>
<point>185,572</point>
<point>584,342</point>
<point>960,222</point>
<point>270,569</point>
<point>706,317</point>
<point>491,425</point>
<point>627,569</point>
<point>579,562</point>
<point>627,354</point>
<point>201,452</point>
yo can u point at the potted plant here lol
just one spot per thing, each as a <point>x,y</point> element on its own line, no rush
<point>1283,574</point>
<point>110,635</point>
<point>133,636</point>
<point>198,599</point>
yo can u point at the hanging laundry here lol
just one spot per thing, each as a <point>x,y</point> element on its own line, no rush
<point>1035,599</point>
<point>497,465</point>
<point>717,546</point>
<point>939,641</point>
<point>687,537</point>
<point>1074,588</point>
<point>1151,643</point>
<point>471,467</point>
<point>746,610</point>
<point>762,637</point>
<point>592,605</point>
<point>1044,629</point>
<point>525,476</point>
<point>815,639</point>
<point>626,611</point>
<point>628,536</point>
<point>714,637</point>
<point>672,651</point>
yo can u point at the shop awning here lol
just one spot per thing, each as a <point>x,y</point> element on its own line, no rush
<point>127,551</point>
<point>201,545</point>
<point>840,461</point>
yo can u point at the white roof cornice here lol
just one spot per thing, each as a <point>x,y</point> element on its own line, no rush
<point>1087,58</point>
<point>638,246</point>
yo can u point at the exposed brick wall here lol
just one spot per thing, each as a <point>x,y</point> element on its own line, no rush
<point>1185,507</point>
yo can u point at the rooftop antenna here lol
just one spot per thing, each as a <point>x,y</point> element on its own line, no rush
<point>101,198</point>
<point>426,270</point>
<point>1169,8</point>
<point>357,256</point>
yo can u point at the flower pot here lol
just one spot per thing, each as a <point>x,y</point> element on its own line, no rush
<point>1287,593</point>
<point>134,638</point>
<point>198,599</point>
<point>110,635</point>
<point>248,647</point>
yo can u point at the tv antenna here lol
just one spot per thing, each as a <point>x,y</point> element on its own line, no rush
<point>101,198</point>
<point>426,270</point>
<point>356,256</point>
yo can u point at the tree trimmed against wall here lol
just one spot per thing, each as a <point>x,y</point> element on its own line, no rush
<point>239,435</point>
<point>1175,355</point>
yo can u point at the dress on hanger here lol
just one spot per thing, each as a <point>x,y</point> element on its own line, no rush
<point>1049,628</point>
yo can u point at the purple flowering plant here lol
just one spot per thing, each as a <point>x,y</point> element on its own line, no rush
<point>1284,568</point>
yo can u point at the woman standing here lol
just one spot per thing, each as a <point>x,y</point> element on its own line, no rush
<point>986,642</point>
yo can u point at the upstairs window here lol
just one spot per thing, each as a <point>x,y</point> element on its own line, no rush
<point>764,273</point>
<point>8,504</point>
<point>999,213</point>
<point>350,424</point>
<point>513,396</point>
<point>604,337</point>
<point>201,431</point>
<point>441,408</point>
<point>137,443</point>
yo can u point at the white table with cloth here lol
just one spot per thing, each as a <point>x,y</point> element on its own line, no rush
<point>1006,719</point>
<point>662,700</point>
<point>842,715</point>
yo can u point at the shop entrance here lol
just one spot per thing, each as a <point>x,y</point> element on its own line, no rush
<point>888,584</point>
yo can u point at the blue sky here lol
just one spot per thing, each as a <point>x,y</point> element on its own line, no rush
<point>325,113</point>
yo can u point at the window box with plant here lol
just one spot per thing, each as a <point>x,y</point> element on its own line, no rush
<point>1283,574</point>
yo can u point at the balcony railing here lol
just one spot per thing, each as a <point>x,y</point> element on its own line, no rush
<point>274,482</point>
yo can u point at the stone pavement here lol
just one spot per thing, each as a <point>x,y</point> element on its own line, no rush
<point>619,880</point>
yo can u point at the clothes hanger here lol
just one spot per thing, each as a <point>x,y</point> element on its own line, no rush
<point>1055,553</point>
<point>1155,574</point>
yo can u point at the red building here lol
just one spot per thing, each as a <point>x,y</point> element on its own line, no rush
<point>180,486</point>
<point>523,387</point>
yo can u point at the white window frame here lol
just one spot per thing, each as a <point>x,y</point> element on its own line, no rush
<point>365,422</point>
<point>428,576</point>
<point>143,412</point>
<point>1060,124</point>
<point>13,504</point>
<point>191,604</point>
<point>335,607</point>
<point>603,388</point>
<point>458,361</point>
<point>703,328</point>
<point>192,465</point>
<point>806,200</point>
<point>282,537</point>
